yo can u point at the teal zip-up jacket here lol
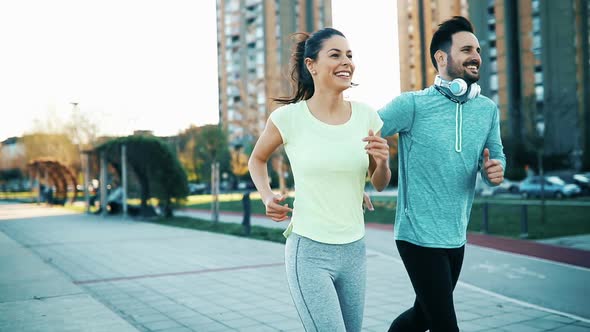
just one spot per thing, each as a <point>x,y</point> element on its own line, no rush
<point>441,146</point>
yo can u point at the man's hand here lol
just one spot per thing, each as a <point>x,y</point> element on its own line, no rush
<point>493,168</point>
<point>275,210</point>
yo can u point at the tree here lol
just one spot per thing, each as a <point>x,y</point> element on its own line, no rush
<point>51,145</point>
<point>81,129</point>
<point>186,144</point>
<point>51,137</point>
<point>279,166</point>
<point>155,166</point>
<point>186,156</point>
<point>239,161</point>
<point>199,147</point>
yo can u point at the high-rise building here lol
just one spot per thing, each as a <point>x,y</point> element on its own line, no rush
<point>254,47</point>
<point>535,67</point>
<point>511,73</point>
<point>538,72</point>
<point>417,22</point>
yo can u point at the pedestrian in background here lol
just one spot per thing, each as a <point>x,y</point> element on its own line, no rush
<point>247,212</point>
<point>447,133</point>
<point>331,143</point>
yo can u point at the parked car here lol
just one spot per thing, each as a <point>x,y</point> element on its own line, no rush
<point>554,186</point>
<point>243,185</point>
<point>198,188</point>
<point>583,180</point>
<point>506,187</point>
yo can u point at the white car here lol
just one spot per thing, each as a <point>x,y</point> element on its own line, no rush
<point>507,186</point>
<point>583,180</point>
<point>553,186</point>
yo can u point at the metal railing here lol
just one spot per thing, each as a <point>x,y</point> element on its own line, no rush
<point>524,204</point>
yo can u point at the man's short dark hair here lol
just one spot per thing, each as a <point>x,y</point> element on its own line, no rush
<point>443,37</point>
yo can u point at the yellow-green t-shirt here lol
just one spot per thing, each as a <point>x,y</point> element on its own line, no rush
<point>329,165</point>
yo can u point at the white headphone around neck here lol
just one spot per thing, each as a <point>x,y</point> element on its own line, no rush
<point>458,87</point>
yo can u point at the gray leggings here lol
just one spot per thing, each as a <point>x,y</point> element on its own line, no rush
<point>327,283</point>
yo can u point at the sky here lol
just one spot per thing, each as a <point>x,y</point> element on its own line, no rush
<point>149,65</point>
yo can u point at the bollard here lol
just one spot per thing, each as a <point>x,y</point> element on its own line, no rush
<point>484,225</point>
<point>524,225</point>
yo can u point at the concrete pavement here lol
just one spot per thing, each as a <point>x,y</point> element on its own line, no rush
<point>523,271</point>
<point>73,272</point>
<point>35,296</point>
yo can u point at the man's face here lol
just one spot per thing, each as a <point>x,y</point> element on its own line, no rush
<point>464,60</point>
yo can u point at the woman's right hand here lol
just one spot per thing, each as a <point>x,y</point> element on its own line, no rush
<point>275,210</point>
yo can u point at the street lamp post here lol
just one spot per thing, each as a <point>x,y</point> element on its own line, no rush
<point>86,163</point>
<point>215,190</point>
<point>236,163</point>
<point>540,126</point>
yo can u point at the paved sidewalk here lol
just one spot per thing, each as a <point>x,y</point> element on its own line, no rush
<point>130,275</point>
<point>35,296</point>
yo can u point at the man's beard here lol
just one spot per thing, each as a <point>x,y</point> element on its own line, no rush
<point>459,71</point>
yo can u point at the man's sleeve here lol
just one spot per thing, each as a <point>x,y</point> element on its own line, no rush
<point>397,115</point>
<point>494,144</point>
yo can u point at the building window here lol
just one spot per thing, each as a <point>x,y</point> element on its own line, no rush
<point>260,58</point>
<point>536,24</point>
<point>494,82</point>
<point>496,98</point>
<point>260,71</point>
<point>537,48</point>
<point>535,5</point>
<point>538,78</point>
<point>539,92</point>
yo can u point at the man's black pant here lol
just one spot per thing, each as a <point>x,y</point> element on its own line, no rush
<point>434,273</point>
